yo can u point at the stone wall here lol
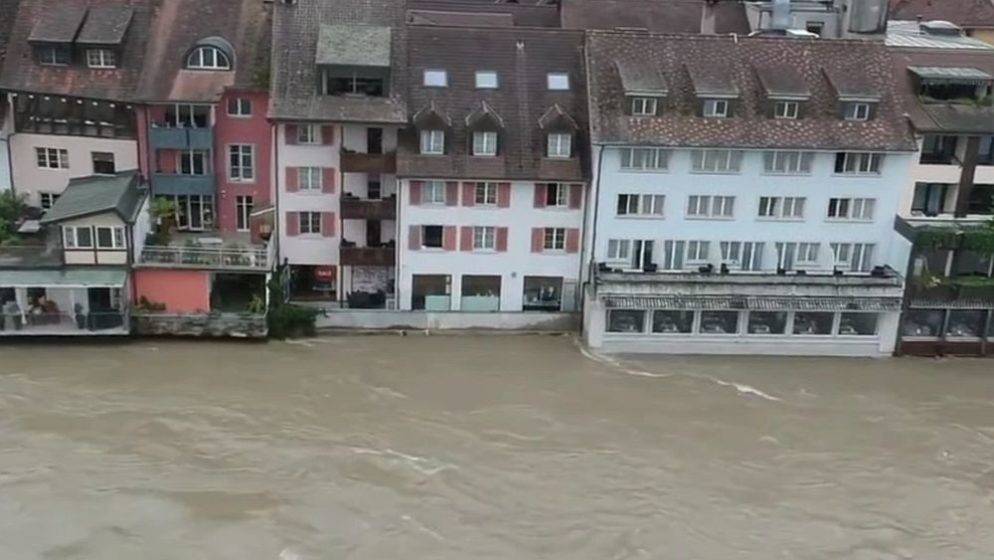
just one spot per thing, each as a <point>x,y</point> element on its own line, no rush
<point>230,325</point>
<point>362,319</point>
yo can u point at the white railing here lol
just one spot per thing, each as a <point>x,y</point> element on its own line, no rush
<point>255,258</point>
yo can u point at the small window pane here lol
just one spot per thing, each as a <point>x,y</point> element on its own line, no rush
<point>813,323</point>
<point>719,322</point>
<point>436,78</point>
<point>923,322</point>
<point>966,323</point>
<point>768,322</point>
<point>626,321</point>
<point>558,81</point>
<point>858,324</point>
<point>486,79</point>
<point>672,322</point>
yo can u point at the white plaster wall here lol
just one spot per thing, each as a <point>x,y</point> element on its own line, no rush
<point>5,131</point>
<point>512,266</point>
<point>948,174</point>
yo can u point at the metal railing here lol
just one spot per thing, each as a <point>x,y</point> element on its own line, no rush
<point>254,258</point>
<point>94,322</point>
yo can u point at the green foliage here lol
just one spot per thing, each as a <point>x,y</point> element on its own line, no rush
<point>12,206</point>
<point>257,305</point>
<point>150,306</point>
<point>286,320</point>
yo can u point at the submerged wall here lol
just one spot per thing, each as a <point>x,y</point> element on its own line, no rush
<point>229,325</point>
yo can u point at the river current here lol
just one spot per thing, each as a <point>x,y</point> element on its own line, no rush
<point>487,447</point>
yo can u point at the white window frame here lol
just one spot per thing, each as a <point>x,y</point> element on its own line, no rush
<point>786,110</point>
<point>485,143</point>
<point>193,155</point>
<point>433,142</point>
<point>857,111</point>
<point>116,237</point>
<point>703,206</point>
<point>51,198</point>
<point>199,60</point>
<point>312,220</point>
<point>866,164</point>
<point>641,205</point>
<point>731,251</point>
<point>698,252</point>
<point>308,134</point>
<point>484,238</point>
<point>851,209</point>
<point>310,179</point>
<point>644,159</point>
<point>244,170</point>
<point>781,207</point>
<point>488,191</point>
<point>725,161</point>
<point>435,78</point>
<point>70,237</point>
<point>483,81</point>
<point>52,158</point>
<point>557,81</point>
<point>644,106</point>
<point>807,253</point>
<point>554,239</point>
<point>787,162</point>
<point>560,145</point>
<point>101,58</point>
<point>715,108</point>
<point>853,257</point>
<point>433,192</point>
<point>243,212</point>
<point>618,250</point>
<point>562,195</point>
<point>242,106</point>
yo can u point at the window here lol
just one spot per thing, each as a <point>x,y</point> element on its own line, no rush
<point>47,199</point>
<point>557,81</point>
<point>813,323</point>
<point>193,162</point>
<point>187,115</point>
<point>673,253</point>
<point>52,158</point>
<point>484,238</point>
<point>781,208</point>
<point>752,256</point>
<point>436,78</point>
<point>54,55</point>
<point>938,149</point>
<point>626,320</point>
<point>559,145</point>
<point>243,209</point>
<point>110,237</point>
<point>240,162</point>
<point>345,82</point>
<point>240,107</point>
<point>767,322</point>
<point>310,223</point>
<point>858,163</point>
<point>433,192</point>
<point>644,106</point>
<point>706,206</point>
<point>715,108</point>
<point>857,209</point>
<point>310,178</point>
<point>101,58</point>
<point>815,27</point>
<point>486,193</point>
<point>78,237</point>
<point>807,253</point>
<point>930,198</point>
<point>308,134</point>
<point>789,255</point>
<point>853,257</point>
<point>672,322</point>
<point>858,324</point>
<point>486,79</point>
<point>856,111</point>
<point>556,194</point>
<point>644,159</point>
<point>480,293</point>
<point>716,161</point>
<point>635,254</point>
<point>432,142</point>
<point>193,212</point>
<point>719,322</point>
<point>484,143</point>
<point>618,249</point>
<point>649,205</point>
<point>543,293</point>
<point>555,239</point>
<point>785,109</point>
<point>208,58</point>
<point>731,251</point>
<point>698,251</point>
<point>431,237</point>
<point>103,163</point>
<point>787,163</point>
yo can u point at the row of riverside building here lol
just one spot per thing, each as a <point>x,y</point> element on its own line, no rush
<point>673,176</point>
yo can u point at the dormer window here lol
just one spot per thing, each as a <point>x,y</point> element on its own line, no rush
<point>485,143</point>
<point>557,81</point>
<point>53,55</point>
<point>856,111</point>
<point>715,108</point>
<point>786,110</point>
<point>436,78</point>
<point>560,145</point>
<point>952,84</point>
<point>101,58</point>
<point>208,58</point>
<point>644,106</point>
<point>486,79</point>
<point>432,142</point>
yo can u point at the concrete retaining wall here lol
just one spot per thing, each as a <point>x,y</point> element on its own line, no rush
<point>421,320</point>
<point>227,325</point>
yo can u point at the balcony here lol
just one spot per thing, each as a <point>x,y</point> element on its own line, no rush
<point>961,291</point>
<point>367,256</point>
<point>175,138</point>
<point>363,209</point>
<point>244,259</point>
<point>353,162</point>
<point>93,323</point>
<point>182,184</point>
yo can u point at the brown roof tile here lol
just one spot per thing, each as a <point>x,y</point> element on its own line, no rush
<point>521,14</point>
<point>942,117</point>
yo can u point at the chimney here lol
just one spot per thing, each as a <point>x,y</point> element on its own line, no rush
<point>708,17</point>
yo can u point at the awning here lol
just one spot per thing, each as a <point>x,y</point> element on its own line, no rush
<point>753,303</point>
<point>63,278</point>
<point>950,73</point>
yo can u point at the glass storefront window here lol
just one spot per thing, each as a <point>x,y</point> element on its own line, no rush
<point>719,322</point>
<point>626,321</point>
<point>813,323</point>
<point>923,322</point>
<point>966,323</point>
<point>858,324</point>
<point>672,322</point>
<point>768,322</point>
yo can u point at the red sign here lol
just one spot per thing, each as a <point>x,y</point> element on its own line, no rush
<point>324,273</point>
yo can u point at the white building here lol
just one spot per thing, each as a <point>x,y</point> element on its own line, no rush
<point>745,196</point>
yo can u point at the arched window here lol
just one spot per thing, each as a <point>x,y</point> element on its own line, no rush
<point>208,57</point>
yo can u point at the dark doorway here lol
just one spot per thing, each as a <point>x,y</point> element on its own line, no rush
<point>374,140</point>
<point>372,233</point>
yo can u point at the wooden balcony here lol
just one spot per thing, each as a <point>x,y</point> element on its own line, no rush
<point>367,256</point>
<point>363,209</point>
<point>353,162</point>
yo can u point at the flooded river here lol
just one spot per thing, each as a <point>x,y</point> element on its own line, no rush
<point>473,448</point>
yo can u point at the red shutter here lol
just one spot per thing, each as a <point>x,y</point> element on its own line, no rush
<point>290,134</point>
<point>538,239</point>
<point>292,224</point>
<point>328,224</point>
<point>575,196</point>
<point>539,195</point>
<point>414,238</point>
<point>503,195</point>
<point>451,193</point>
<point>466,241</point>
<point>328,177</point>
<point>328,135</point>
<point>502,239</point>
<point>416,187</point>
<point>449,238</point>
<point>573,240</point>
<point>292,179</point>
<point>468,194</point>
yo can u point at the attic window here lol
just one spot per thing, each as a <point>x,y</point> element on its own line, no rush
<point>558,81</point>
<point>486,79</point>
<point>856,111</point>
<point>786,110</point>
<point>208,57</point>
<point>101,58</point>
<point>715,108</point>
<point>644,106</point>
<point>54,55</point>
<point>436,78</point>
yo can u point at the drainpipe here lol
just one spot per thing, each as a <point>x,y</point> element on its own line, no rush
<point>595,195</point>
<point>967,175</point>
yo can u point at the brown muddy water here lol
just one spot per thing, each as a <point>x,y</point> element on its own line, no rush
<point>497,447</point>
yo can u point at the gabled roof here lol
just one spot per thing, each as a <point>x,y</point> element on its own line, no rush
<point>482,114</point>
<point>97,194</point>
<point>965,13</point>
<point>555,117</point>
<point>431,115</point>
<point>867,63</point>
<point>712,78</point>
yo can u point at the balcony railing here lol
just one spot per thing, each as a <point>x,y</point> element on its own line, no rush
<point>353,162</point>
<point>174,138</point>
<point>362,209</point>
<point>220,258</point>
<point>182,184</point>
<point>367,256</point>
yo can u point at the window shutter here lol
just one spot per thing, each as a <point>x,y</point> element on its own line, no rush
<point>573,240</point>
<point>449,238</point>
<point>540,195</point>
<point>451,193</point>
<point>416,187</point>
<point>503,195</point>
<point>328,224</point>
<point>290,134</point>
<point>414,238</point>
<point>502,239</point>
<point>292,224</point>
<point>468,194</point>
<point>575,196</point>
<point>292,179</point>
<point>328,177</point>
<point>538,239</point>
<point>328,135</point>
<point>466,243</point>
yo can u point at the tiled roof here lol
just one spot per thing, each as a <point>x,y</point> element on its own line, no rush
<point>106,25</point>
<point>295,74</point>
<point>910,34</point>
<point>943,117</point>
<point>181,24</point>
<point>823,65</point>
<point>86,196</point>
<point>965,13</point>
<point>662,16</point>
<point>45,19</point>
<point>488,13</point>
<point>522,59</point>
<point>8,12</point>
